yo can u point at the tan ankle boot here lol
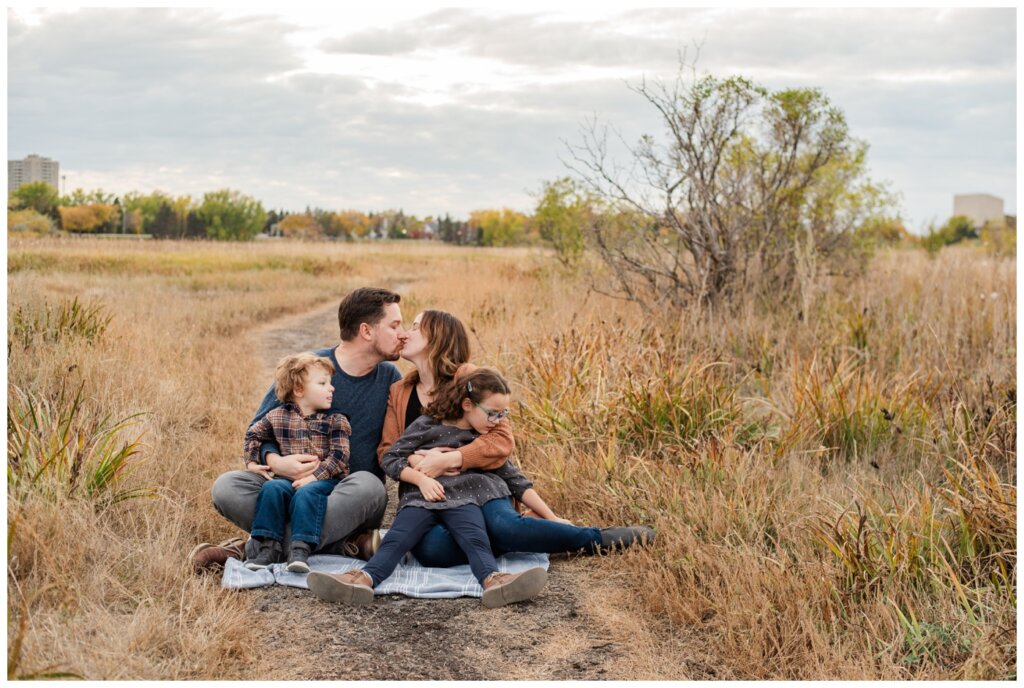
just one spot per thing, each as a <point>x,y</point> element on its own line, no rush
<point>352,587</point>
<point>505,588</point>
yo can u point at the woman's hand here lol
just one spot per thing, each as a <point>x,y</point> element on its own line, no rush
<point>558,519</point>
<point>436,461</point>
<point>432,490</point>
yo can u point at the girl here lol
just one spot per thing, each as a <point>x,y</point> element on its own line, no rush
<point>463,410</point>
<point>438,346</point>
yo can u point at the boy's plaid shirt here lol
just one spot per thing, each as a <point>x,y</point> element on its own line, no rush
<point>321,434</point>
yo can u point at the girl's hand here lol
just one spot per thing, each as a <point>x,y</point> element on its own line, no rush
<point>296,484</point>
<point>432,490</point>
<point>558,519</point>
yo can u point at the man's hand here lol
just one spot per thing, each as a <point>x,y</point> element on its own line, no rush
<point>436,461</point>
<point>293,466</point>
<point>296,484</point>
<point>432,490</point>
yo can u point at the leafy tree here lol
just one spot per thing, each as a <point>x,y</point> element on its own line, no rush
<point>350,224</point>
<point>503,227</point>
<point>29,221</point>
<point>228,214</point>
<point>1000,237</point>
<point>398,226</point>
<point>165,225</point>
<point>957,229</point>
<point>80,197</point>
<point>182,207</point>
<point>142,209</point>
<point>195,225</point>
<point>748,189</point>
<point>562,212</point>
<point>883,231</point>
<point>94,217</point>
<point>301,226</point>
<point>37,196</point>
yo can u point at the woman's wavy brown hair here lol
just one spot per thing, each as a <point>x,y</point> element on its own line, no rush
<point>477,386</point>
<point>447,347</point>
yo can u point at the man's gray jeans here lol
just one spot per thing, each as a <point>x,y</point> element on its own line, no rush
<point>356,503</point>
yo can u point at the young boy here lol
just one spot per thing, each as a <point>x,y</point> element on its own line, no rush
<point>300,426</point>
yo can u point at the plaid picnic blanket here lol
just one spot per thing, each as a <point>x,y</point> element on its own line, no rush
<point>410,578</point>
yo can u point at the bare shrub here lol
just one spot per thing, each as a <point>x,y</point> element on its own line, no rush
<point>750,189</point>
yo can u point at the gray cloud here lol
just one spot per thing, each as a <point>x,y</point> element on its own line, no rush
<point>189,100</point>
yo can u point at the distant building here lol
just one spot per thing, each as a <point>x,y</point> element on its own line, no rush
<point>980,208</point>
<point>32,169</point>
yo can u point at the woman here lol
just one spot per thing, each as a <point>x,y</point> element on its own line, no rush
<point>439,348</point>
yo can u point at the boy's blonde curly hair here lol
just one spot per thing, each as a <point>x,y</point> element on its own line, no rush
<point>293,371</point>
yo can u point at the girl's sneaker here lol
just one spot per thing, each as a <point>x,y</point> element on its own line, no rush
<point>268,553</point>
<point>298,558</point>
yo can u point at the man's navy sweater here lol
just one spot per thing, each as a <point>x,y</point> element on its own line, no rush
<point>364,402</point>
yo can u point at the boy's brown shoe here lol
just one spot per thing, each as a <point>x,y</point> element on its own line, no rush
<point>352,587</point>
<point>505,588</point>
<point>205,556</point>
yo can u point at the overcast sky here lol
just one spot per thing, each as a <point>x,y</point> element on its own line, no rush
<point>438,111</point>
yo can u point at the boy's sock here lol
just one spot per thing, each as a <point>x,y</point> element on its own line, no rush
<point>298,557</point>
<point>269,552</point>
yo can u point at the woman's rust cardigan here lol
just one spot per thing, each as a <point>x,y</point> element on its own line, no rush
<point>487,452</point>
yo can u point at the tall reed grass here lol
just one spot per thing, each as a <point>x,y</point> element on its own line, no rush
<point>834,493</point>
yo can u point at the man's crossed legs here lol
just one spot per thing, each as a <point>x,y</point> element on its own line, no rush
<point>356,504</point>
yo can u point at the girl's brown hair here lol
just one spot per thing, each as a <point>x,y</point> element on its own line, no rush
<point>447,347</point>
<point>476,386</point>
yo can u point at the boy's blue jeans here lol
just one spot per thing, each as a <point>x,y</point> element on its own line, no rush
<point>509,531</point>
<point>278,502</point>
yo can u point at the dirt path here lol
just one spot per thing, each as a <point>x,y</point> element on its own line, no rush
<point>579,628</point>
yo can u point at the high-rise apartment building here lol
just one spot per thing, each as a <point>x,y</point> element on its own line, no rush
<point>980,208</point>
<point>32,169</point>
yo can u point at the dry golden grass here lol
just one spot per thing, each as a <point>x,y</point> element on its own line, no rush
<point>835,496</point>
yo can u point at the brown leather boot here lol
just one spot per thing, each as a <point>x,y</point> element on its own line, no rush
<point>352,587</point>
<point>505,588</point>
<point>362,545</point>
<point>205,556</point>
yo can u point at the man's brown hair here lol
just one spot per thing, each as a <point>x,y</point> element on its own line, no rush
<point>293,371</point>
<point>364,305</point>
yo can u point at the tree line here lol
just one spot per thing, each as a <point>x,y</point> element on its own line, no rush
<point>230,215</point>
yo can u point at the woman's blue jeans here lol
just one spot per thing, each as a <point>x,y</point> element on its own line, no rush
<point>509,531</point>
<point>278,502</point>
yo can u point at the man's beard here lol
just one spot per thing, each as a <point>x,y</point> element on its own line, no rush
<point>388,355</point>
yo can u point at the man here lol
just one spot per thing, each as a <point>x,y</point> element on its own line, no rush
<point>370,324</point>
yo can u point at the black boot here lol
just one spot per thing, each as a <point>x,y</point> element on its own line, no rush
<point>623,537</point>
